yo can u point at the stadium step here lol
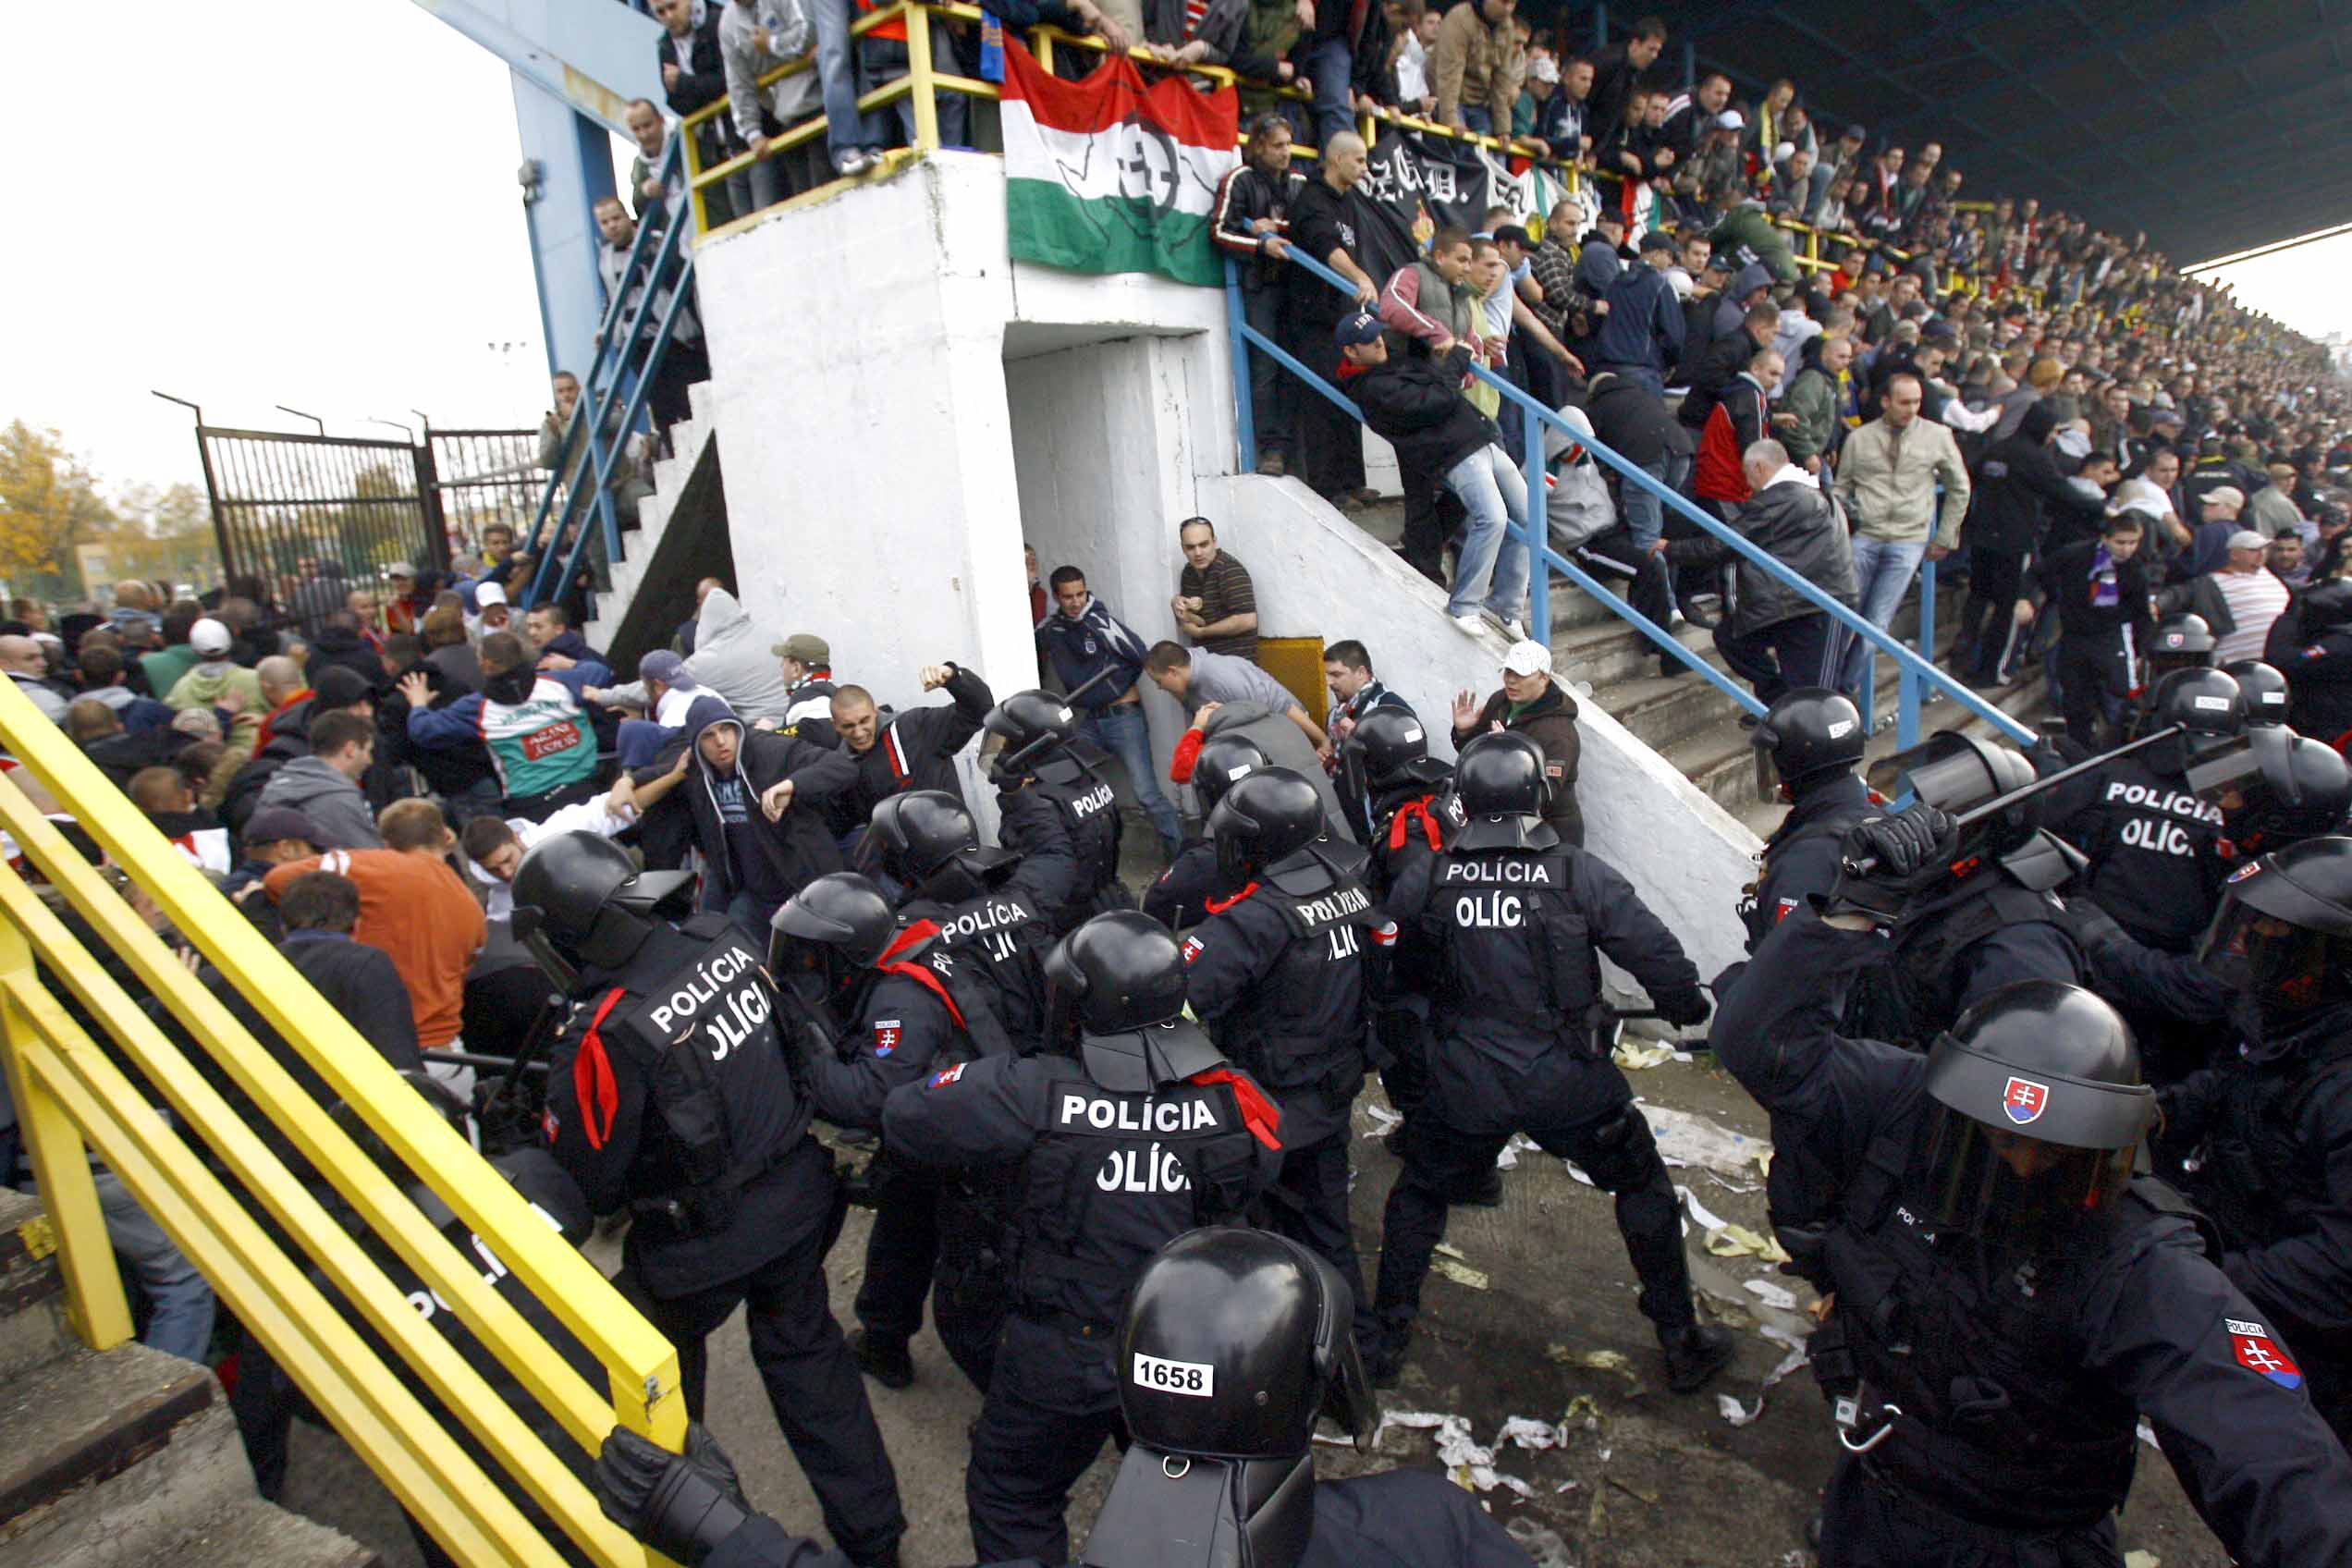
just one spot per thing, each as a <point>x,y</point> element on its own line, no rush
<point>124,1457</point>
<point>1604,659</point>
<point>670,543</point>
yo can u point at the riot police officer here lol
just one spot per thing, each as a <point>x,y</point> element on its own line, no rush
<point>1807,748</point>
<point>1179,898</point>
<point>1134,1129</point>
<point>1055,808</point>
<point>2271,1130</point>
<point>1222,1407</point>
<point>899,1003</point>
<point>670,1098</point>
<point>1520,920</point>
<point>1277,973</point>
<point>1992,916</point>
<point>2179,641</point>
<point>2152,841</point>
<point>2310,643</point>
<point>2264,689</point>
<point>988,904</point>
<point>1385,763</point>
<point>2008,1301</point>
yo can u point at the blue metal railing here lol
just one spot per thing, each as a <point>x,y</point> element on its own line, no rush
<point>630,344</point>
<point>1915,673</point>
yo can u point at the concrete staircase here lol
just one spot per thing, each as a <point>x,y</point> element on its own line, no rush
<point>129,1457</point>
<point>681,537</point>
<point>1605,659</point>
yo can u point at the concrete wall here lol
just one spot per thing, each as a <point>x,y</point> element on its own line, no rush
<point>900,404</point>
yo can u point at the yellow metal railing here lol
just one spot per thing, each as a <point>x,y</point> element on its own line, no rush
<point>72,1099</point>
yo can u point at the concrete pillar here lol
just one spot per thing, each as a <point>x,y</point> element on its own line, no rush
<point>574,156</point>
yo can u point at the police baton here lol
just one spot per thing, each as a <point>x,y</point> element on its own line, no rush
<point>2208,774</point>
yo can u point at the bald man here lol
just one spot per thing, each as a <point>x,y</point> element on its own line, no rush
<point>1321,226</point>
<point>23,658</point>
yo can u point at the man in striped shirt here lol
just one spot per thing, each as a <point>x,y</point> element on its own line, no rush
<point>1215,604</point>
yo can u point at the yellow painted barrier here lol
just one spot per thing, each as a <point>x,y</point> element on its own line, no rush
<point>73,1097</point>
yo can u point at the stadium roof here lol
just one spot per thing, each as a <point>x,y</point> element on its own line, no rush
<point>2212,125</point>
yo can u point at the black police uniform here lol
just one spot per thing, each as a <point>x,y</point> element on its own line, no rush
<point>669,1096</point>
<point>1518,929</point>
<point>1111,1176</point>
<point>925,1010</point>
<point>1279,978</point>
<point>2319,679</point>
<point>1179,896</point>
<point>1998,1399</point>
<point>2156,864</point>
<point>1411,821</point>
<point>1065,815</point>
<point>1802,856</point>
<point>2272,1134</point>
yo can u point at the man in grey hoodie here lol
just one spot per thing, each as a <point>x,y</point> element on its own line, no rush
<point>324,786</point>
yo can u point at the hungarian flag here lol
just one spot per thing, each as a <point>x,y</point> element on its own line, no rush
<point>1107,174</point>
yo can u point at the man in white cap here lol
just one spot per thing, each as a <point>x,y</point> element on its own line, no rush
<point>670,690</point>
<point>491,612</point>
<point>1531,701</point>
<point>216,681</point>
<point>2239,599</point>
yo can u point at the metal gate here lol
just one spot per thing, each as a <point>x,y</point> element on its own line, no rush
<point>482,478</point>
<point>288,507</point>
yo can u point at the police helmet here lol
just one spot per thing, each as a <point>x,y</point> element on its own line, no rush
<point>1807,734</point>
<point>2202,701</point>
<point>837,927</point>
<point>2181,641</point>
<point>2304,790</point>
<point>1031,725</point>
<point>2037,1112</point>
<point>579,900</point>
<point>2284,930</point>
<point>1957,773</point>
<point>1115,992</point>
<point>919,833</point>
<point>1235,1342</point>
<point>1498,781</point>
<point>2325,605</point>
<point>2264,689</point>
<point>1388,747</point>
<point>1222,762</point>
<point>1264,820</point>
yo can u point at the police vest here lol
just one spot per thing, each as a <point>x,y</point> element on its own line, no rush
<point>2155,860</point>
<point>1089,809</point>
<point>1517,946</point>
<point>1999,1423</point>
<point>1114,1176</point>
<point>1910,997</point>
<point>918,955</point>
<point>1002,939</point>
<point>1283,1034</point>
<point>720,1089</point>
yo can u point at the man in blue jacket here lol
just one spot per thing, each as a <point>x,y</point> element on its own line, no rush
<point>1083,640</point>
<point>1642,337</point>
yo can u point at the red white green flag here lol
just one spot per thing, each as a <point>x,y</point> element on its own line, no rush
<point>1108,175</point>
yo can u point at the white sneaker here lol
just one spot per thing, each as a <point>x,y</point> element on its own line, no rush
<point>1515,628</point>
<point>856,161</point>
<point>1473,624</point>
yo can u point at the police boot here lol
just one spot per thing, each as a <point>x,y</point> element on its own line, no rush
<point>1384,1358</point>
<point>885,1361</point>
<point>1694,1354</point>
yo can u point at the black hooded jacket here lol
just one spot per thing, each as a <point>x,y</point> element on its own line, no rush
<point>729,824</point>
<point>2019,488</point>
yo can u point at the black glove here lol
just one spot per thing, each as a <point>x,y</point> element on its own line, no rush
<point>682,1505</point>
<point>1684,1008</point>
<point>1888,860</point>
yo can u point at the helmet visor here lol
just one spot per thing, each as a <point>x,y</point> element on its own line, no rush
<point>2283,965</point>
<point>2011,1189</point>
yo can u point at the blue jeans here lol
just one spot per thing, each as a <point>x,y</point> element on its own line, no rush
<point>1882,573</point>
<point>885,60</point>
<point>1122,730</point>
<point>1644,513</point>
<point>181,1319</point>
<point>1491,569</point>
<point>638,742</point>
<point>846,130</point>
<point>1330,65</point>
<point>1478,117</point>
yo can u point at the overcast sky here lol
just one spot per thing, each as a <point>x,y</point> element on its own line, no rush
<point>288,202</point>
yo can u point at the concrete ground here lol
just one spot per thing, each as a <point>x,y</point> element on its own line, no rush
<point>1536,1321</point>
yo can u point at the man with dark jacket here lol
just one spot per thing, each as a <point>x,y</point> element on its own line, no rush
<point>2017,486</point>
<point>1323,225</point>
<point>1771,635</point>
<point>1632,421</point>
<point>1741,416</point>
<point>758,802</point>
<point>340,645</point>
<point>1415,405</point>
<point>1099,661</point>
<point>1642,337</point>
<point>911,750</point>
<point>1720,361</point>
<point>2310,643</point>
<point>1253,218</point>
<point>1537,706</point>
<point>2099,589</point>
<point>693,73</point>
